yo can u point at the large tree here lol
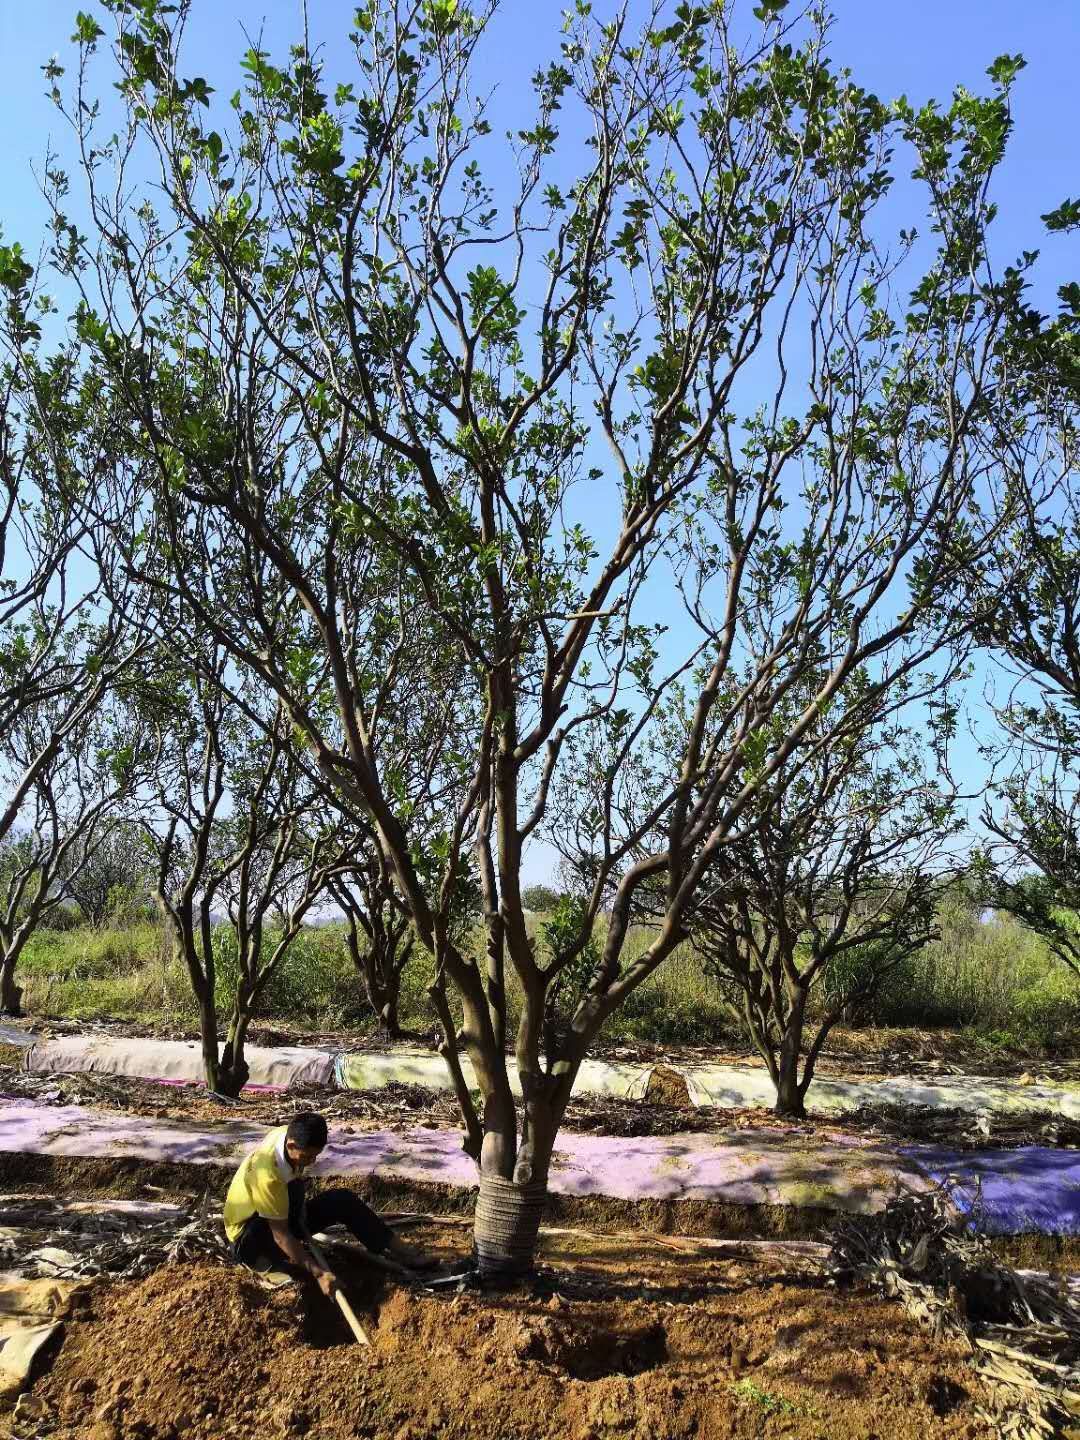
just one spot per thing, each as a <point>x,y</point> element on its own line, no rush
<point>1027,589</point>
<point>63,644</point>
<point>378,932</point>
<point>679,348</point>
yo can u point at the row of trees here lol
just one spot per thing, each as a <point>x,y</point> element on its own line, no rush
<point>650,502</point>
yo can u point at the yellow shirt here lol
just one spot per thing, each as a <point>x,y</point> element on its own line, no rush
<point>260,1186</point>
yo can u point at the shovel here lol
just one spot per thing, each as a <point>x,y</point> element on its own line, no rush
<point>343,1305</point>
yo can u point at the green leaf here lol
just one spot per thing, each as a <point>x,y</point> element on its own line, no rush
<point>1005,68</point>
<point>1065,217</point>
<point>14,271</point>
<point>87,30</point>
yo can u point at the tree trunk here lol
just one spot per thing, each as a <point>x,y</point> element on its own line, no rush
<point>10,993</point>
<point>789,1092</point>
<point>209,1037</point>
<point>382,981</point>
<point>506,1226</point>
<point>233,1071</point>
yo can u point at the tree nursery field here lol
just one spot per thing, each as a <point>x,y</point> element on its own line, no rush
<point>539,722</point>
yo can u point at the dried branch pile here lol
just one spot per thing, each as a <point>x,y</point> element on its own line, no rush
<point>1023,1329</point>
<point>84,1244</point>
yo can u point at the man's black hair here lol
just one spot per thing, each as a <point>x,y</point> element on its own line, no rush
<point>307,1131</point>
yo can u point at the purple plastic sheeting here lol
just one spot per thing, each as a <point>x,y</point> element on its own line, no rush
<point>1032,1189</point>
<point>772,1169</point>
<point>1023,1190</point>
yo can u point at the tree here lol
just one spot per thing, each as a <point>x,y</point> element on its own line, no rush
<point>75,805</point>
<point>62,644</point>
<point>341,355</point>
<point>1031,868</point>
<point>540,898</point>
<point>1028,589</point>
<point>115,869</point>
<point>378,933</point>
<point>278,857</point>
<point>230,822</point>
<point>833,884</point>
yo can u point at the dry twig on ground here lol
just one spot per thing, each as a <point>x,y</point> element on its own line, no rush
<point>1023,1329</point>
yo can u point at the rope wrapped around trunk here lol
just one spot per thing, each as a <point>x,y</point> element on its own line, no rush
<point>507,1222</point>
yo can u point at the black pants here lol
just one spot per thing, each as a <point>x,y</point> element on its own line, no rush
<point>255,1245</point>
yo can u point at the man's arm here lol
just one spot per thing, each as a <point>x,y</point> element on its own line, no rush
<point>294,1249</point>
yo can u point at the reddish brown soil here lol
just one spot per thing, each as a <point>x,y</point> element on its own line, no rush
<point>634,1344</point>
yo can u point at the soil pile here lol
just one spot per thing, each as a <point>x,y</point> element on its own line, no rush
<point>203,1351</point>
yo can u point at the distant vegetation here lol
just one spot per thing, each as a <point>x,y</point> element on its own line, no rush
<point>991,978</point>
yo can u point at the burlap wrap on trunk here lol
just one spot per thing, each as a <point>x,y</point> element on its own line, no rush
<point>507,1221</point>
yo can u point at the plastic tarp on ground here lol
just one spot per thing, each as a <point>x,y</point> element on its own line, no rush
<point>738,1086</point>
<point>733,1086</point>
<point>421,1067</point>
<point>1033,1189</point>
<point>28,1322</point>
<point>1029,1189</point>
<point>179,1060</point>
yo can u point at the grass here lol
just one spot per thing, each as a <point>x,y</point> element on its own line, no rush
<point>992,980</point>
<point>767,1401</point>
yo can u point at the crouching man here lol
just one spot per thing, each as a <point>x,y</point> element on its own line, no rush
<point>268,1218</point>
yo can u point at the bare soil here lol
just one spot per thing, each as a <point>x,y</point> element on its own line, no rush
<point>619,1340</point>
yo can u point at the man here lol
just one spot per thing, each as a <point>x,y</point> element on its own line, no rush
<point>266,1217</point>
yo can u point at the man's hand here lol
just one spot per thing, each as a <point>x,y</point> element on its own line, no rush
<point>327,1283</point>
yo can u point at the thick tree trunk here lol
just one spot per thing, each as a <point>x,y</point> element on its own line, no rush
<point>233,1070</point>
<point>10,993</point>
<point>209,1037</point>
<point>383,988</point>
<point>506,1227</point>
<point>789,1092</point>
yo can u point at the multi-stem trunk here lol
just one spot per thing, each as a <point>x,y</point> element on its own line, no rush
<point>380,963</point>
<point>790,1088</point>
<point>201,974</point>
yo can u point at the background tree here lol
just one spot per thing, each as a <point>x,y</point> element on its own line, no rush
<point>341,355</point>
<point>275,855</point>
<point>63,645</point>
<point>1029,591</point>
<point>833,884</point>
<point>378,933</point>
<point>111,872</point>
<point>230,822</point>
<point>73,808</point>
<point>540,898</point>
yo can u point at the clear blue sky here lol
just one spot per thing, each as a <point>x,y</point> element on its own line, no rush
<point>920,48</point>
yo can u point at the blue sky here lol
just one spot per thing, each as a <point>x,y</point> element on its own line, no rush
<point>920,48</point>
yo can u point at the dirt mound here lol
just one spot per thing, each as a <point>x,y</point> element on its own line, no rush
<point>203,1351</point>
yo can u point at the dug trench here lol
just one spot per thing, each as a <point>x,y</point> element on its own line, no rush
<point>617,1341</point>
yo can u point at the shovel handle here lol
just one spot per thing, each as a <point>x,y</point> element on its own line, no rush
<point>343,1305</point>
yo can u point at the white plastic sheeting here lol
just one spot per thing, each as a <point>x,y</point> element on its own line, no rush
<point>729,1086</point>
<point>421,1067</point>
<point>742,1086</point>
<point>282,1066</point>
